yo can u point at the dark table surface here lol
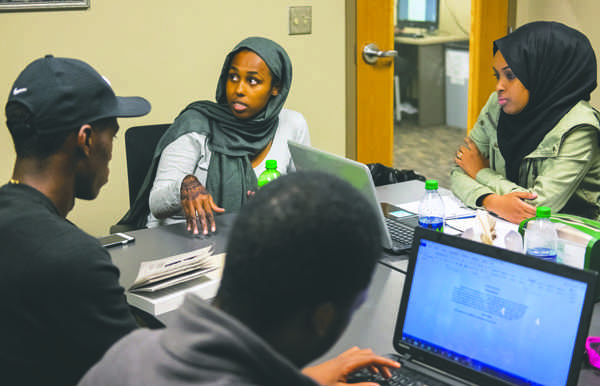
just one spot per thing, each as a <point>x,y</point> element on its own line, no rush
<point>372,325</point>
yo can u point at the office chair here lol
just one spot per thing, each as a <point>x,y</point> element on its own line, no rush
<point>140,142</point>
<point>404,71</point>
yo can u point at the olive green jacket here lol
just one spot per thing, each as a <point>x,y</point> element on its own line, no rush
<point>564,170</point>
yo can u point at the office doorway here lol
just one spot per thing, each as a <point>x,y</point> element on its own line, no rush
<point>430,119</point>
<point>372,130</point>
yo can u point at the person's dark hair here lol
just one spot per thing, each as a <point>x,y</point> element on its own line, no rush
<point>28,142</point>
<point>303,239</point>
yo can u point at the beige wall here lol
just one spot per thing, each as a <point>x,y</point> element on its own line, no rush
<point>579,14</point>
<point>455,17</point>
<point>171,52</point>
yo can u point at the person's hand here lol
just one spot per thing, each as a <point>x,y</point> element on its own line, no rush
<point>470,159</point>
<point>335,371</point>
<point>198,205</point>
<point>511,206</point>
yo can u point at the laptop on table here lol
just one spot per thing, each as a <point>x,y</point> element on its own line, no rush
<point>397,225</point>
<point>471,313</point>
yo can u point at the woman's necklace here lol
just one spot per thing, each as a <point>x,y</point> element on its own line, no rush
<point>13,181</point>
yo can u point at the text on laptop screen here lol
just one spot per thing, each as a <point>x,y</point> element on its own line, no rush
<point>511,321</point>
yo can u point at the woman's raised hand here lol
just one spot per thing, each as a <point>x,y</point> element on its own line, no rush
<point>470,159</point>
<point>198,205</point>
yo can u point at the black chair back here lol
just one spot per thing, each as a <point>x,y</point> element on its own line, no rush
<point>140,142</point>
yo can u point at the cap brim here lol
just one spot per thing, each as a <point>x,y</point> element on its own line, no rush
<point>132,107</point>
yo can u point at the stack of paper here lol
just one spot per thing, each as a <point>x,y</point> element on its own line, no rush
<point>161,284</point>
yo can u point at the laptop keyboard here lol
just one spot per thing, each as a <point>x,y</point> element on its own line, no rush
<point>402,376</point>
<point>400,232</point>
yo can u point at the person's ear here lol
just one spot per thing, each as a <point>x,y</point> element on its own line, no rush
<point>323,318</point>
<point>275,89</point>
<point>84,139</point>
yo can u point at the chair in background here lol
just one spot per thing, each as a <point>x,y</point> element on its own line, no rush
<point>404,71</point>
<point>140,142</point>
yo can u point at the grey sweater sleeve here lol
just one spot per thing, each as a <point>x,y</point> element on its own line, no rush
<point>186,155</point>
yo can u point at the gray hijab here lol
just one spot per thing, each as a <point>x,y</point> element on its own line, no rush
<point>232,141</point>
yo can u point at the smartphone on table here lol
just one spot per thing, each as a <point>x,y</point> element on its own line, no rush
<point>115,239</point>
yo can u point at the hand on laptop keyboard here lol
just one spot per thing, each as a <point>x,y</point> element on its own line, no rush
<point>338,369</point>
<point>402,376</point>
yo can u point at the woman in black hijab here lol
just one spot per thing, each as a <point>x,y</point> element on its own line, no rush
<point>536,140</point>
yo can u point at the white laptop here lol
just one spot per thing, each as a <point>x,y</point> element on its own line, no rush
<point>397,224</point>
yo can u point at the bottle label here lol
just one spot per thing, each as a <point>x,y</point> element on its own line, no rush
<point>267,176</point>
<point>434,223</point>
<point>543,253</point>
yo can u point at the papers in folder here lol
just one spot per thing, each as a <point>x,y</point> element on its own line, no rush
<point>162,273</point>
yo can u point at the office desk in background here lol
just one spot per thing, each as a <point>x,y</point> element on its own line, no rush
<point>425,59</point>
<point>372,325</point>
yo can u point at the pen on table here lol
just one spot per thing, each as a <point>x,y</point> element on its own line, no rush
<point>461,217</point>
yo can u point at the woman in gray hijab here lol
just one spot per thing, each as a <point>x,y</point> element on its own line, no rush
<point>209,159</point>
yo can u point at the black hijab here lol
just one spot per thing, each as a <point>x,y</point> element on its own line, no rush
<point>233,141</point>
<point>557,65</point>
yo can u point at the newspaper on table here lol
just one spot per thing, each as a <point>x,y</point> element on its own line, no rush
<point>162,273</point>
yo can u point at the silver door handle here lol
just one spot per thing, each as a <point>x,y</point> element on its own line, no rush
<point>371,53</point>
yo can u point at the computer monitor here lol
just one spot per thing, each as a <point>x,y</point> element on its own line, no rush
<point>423,14</point>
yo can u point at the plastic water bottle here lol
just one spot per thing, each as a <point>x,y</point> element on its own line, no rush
<point>431,208</point>
<point>269,174</point>
<point>540,236</point>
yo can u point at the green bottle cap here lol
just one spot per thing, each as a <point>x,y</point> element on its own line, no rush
<point>542,212</point>
<point>431,185</point>
<point>271,164</point>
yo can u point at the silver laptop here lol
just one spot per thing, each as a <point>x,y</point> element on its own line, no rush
<point>397,224</point>
<point>471,313</point>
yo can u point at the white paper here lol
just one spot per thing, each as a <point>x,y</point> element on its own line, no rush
<point>169,267</point>
<point>453,207</point>
<point>457,66</point>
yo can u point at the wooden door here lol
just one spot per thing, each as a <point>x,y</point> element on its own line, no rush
<point>490,20</point>
<point>370,125</point>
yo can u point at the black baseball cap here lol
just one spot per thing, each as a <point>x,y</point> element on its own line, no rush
<point>64,94</point>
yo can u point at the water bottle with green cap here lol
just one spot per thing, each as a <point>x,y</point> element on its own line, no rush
<point>431,207</point>
<point>540,235</point>
<point>269,174</point>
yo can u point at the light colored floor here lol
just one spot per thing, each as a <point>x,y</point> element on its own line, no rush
<point>428,151</point>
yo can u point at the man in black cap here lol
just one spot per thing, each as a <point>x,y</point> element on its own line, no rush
<point>63,305</point>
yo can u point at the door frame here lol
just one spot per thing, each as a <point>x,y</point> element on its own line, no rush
<point>351,135</point>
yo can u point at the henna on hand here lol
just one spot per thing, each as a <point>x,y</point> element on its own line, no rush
<point>191,188</point>
<point>198,205</point>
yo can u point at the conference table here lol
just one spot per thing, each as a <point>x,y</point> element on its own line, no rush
<point>372,326</point>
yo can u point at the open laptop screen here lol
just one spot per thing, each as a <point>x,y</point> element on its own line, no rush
<point>495,317</point>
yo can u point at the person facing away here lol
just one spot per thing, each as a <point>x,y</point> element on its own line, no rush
<point>536,140</point>
<point>299,259</point>
<point>209,159</point>
<point>63,306</point>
